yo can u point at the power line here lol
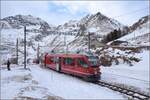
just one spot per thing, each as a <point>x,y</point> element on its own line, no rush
<point>132,12</point>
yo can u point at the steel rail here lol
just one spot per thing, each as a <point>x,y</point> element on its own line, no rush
<point>128,92</point>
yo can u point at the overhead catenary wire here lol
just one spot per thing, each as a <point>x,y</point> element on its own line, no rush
<point>131,12</point>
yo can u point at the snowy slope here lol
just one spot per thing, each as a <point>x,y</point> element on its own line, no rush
<point>24,83</point>
<point>134,76</point>
<point>9,38</point>
<point>139,32</point>
<point>55,42</point>
<point>12,28</point>
<point>47,43</point>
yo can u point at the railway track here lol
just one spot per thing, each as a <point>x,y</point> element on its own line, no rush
<point>130,93</point>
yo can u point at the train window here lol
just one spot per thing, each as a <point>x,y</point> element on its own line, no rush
<point>93,60</point>
<point>82,63</point>
<point>69,61</point>
<point>53,59</point>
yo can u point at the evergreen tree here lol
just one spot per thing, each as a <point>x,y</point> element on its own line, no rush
<point>115,34</point>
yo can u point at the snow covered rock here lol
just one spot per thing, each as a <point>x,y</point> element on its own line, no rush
<point>103,24</point>
<point>25,20</point>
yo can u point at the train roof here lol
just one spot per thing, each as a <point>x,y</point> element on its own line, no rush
<point>67,55</point>
<point>72,54</point>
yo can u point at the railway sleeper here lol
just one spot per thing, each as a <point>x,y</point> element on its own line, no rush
<point>132,97</point>
<point>140,96</point>
<point>130,93</point>
<point>119,89</point>
<point>114,88</point>
<point>127,92</point>
<point>123,91</point>
<point>105,85</point>
<point>136,97</point>
<point>101,84</point>
<point>111,86</point>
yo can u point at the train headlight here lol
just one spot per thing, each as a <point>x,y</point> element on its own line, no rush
<point>87,71</point>
<point>95,72</point>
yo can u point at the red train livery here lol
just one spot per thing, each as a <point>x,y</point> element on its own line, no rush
<point>86,67</point>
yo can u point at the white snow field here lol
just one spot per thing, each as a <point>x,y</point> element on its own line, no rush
<point>41,83</point>
<point>137,76</point>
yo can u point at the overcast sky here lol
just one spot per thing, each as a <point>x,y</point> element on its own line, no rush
<point>56,12</point>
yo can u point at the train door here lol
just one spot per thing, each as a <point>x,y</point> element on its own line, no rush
<point>68,64</point>
<point>58,64</point>
<point>46,57</point>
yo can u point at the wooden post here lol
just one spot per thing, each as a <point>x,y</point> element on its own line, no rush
<point>17,52</point>
<point>89,40</point>
<point>24,47</point>
<point>38,53</point>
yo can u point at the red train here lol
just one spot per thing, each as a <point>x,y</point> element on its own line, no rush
<point>84,66</point>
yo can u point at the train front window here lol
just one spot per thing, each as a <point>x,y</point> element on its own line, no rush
<point>69,61</point>
<point>82,63</point>
<point>93,60</point>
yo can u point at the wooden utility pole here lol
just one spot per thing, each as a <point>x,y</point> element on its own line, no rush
<point>38,53</point>
<point>89,41</point>
<point>0,46</point>
<point>24,47</point>
<point>65,43</point>
<point>17,52</point>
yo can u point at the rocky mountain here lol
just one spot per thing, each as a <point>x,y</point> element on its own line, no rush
<point>100,22</point>
<point>19,21</point>
<point>140,23</point>
<point>139,32</point>
<point>40,29</point>
<point>71,26</point>
<point>40,32</point>
<point>36,27</point>
<point>12,29</point>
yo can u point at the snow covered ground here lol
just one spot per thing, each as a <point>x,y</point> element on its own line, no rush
<point>134,76</point>
<point>140,36</point>
<point>45,83</point>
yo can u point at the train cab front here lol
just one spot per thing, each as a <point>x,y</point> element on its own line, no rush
<point>94,69</point>
<point>94,74</point>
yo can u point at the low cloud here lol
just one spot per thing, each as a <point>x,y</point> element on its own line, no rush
<point>67,10</point>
